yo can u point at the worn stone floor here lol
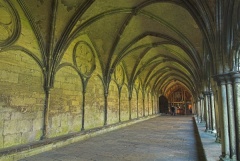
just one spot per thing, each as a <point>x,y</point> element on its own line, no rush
<point>163,138</point>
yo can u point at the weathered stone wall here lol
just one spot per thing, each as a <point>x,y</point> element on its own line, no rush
<point>65,111</point>
<point>113,104</point>
<point>124,104</point>
<point>134,104</point>
<point>140,103</point>
<point>94,103</point>
<point>22,95</point>
<point>21,99</point>
<point>150,103</point>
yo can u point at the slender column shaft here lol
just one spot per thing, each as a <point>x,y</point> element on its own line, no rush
<point>130,108</point>
<point>213,113</point>
<point>119,106</point>
<point>231,120</point>
<point>83,110</point>
<point>199,111</point>
<point>137,108</point>
<point>105,107</point>
<point>225,129</point>
<point>194,110</point>
<point>206,113</point>
<point>202,109</point>
<point>143,107</point>
<point>209,112</point>
<point>236,86</point>
<point>152,107</point>
<point>46,113</point>
<point>148,104</point>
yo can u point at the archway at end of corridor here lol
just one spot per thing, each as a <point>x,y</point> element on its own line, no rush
<point>176,95</point>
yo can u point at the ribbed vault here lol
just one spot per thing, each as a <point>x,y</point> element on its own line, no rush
<point>156,41</point>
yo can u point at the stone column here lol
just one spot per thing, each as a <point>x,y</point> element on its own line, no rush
<point>206,109</point>
<point>199,110</point>
<point>213,112</point>
<point>224,118</point>
<point>46,112</point>
<point>218,115</point>
<point>231,114</point>
<point>209,112</point>
<point>152,106</point>
<point>130,107</point>
<point>137,107</point>
<point>236,88</point>
<point>105,107</point>
<point>193,107</point>
<point>143,106</point>
<point>83,108</point>
<point>119,105</point>
<point>202,109</point>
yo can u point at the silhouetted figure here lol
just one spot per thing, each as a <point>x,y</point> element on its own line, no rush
<point>173,110</point>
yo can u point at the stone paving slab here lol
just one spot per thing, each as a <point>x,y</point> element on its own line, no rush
<point>163,138</point>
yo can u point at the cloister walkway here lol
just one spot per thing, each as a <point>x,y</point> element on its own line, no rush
<point>163,138</point>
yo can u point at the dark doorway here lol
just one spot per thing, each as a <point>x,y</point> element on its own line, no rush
<point>163,104</point>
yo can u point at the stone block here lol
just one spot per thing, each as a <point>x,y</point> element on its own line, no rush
<point>25,126</point>
<point>17,101</point>
<point>6,115</point>
<point>16,115</point>
<point>8,76</point>
<point>68,86</point>
<point>11,140</point>
<point>64,120</point>
<point>75,103</point>
<point>10,127</point>
<point>39,114</point>
<point>29,101</point>
<point>65,108</point>
<point>57,84</point>
<point>56,122</point>
<point>67,92</point>
<point>37,124</point>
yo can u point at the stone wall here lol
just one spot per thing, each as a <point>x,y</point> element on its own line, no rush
<point>134,108</point>
<point>21,99</point>
<point>94,104</point>
<point>76,87</point>
<point>65,111</point>
<point>113,105</point>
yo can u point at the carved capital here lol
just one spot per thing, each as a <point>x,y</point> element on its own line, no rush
<point>223,78</point>
<point>206,93</point>
<point>236,77</point>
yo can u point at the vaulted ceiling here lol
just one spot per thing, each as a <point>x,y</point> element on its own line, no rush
<point>160,42</point>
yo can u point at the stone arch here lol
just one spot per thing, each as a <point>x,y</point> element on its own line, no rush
<point>65,103</point>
